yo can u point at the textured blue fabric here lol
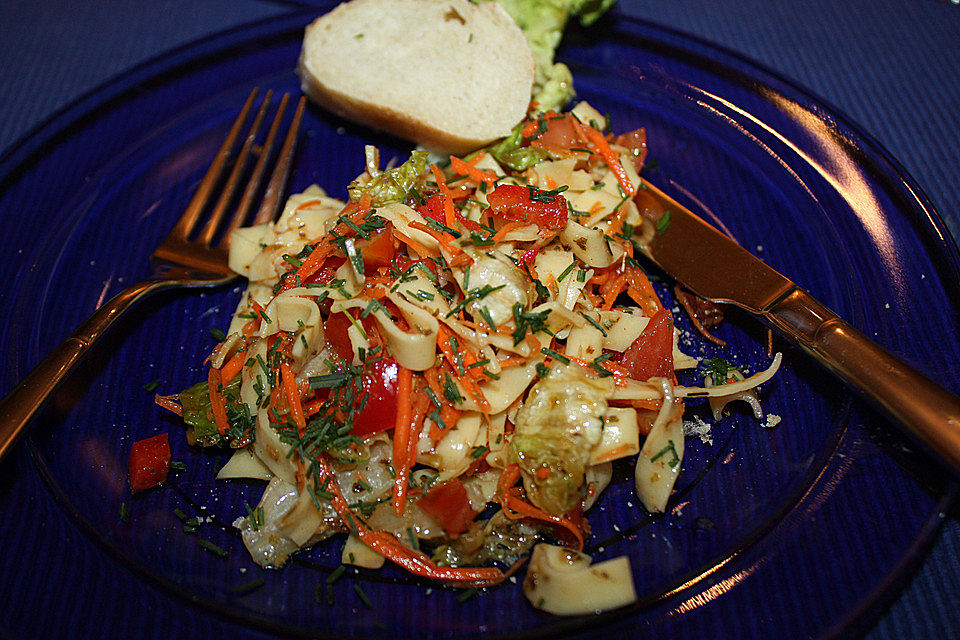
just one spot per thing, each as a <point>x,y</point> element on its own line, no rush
<point>893,66</point>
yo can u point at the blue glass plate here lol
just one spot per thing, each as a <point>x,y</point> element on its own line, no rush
<point>794,531</point>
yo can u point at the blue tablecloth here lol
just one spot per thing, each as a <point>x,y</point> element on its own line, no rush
<point>893,66</point>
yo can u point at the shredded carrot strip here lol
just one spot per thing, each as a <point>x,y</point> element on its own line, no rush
<point>293,397</point>
<point>421,250</point>
<point>401,437</point>
<point>432,376</point>
<point>449,214</point>
<point>450,415</point>
<point>217,403</point>
<point>513,361</point>
<point>308,203</point>
<point>464,169</point>
<point>312,406</point>
<point>507,228</point>
<point>168,403</point>
<point>420,564</point>
<point>461,259</point>
<point>642,291</point>
<point>301,475</point>
<point>610,158</point>
<point>515,508</point>
<point>233,366</point>
<point>508,478</point>
<point>477,157</point>
<point>611,289</point>
<point>312,263</point>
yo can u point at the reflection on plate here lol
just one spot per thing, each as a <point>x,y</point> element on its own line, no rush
<point>781,521</point>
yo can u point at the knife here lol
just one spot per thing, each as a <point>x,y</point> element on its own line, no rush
<point>715,267</point>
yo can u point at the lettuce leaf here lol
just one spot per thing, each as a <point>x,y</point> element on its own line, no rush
<point>392,185</point>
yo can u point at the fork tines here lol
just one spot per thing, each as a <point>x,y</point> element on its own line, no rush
<point>237,163</point>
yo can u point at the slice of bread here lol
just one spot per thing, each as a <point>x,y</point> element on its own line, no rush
<point>451,75</point>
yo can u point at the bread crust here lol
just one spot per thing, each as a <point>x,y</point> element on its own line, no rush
<point>450,75</point>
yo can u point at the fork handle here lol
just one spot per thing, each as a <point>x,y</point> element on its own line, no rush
<point>20,405</point>
<point>927,410</point>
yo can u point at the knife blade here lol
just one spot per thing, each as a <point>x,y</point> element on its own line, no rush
<point>715,267</point>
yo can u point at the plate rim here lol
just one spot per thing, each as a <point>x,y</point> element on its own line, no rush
<point>26,148</point>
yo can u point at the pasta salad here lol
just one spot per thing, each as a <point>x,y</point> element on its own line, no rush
<point>442,369</point>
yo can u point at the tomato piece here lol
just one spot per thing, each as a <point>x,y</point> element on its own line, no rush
<point>379,378</point>
<point>149,462</point>
<point>335,332</point>
<point>326,273</point>
<point>651,354</point>
<point>449,506</point>
<point>529,204</point>
<point>379,413</point>
<point>529,256</point>
<point>560,133</point>
<point>432,208</point>
<point>636,143</point>
<point>378,251</point>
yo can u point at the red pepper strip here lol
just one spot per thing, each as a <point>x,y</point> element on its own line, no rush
<point>610,158</point>
<point>401,439</point>
<point>413,561</point>
<point>217,403</point>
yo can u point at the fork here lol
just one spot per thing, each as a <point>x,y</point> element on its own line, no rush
<point>190,255</point>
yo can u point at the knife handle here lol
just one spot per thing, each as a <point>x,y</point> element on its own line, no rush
<point>929,411</point>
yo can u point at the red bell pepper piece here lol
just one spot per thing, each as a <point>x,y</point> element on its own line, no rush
<point>529,204</point>
<point>149,462</point>
<point>651,354</point>
<point>449,506</point>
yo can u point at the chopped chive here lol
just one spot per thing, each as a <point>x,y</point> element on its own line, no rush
<point>663,222</point>
<point>151,386</point>
<point>357,588</point>
<point>567,271</point>
<point>336,574</point>
<point>556,356</point>
<point>414,542</point>
<point>596,324</point>
<point>247,587</point>
<point>124,513</point>
<point>212,548</point>
<point>670,448</point>
<point>218,335</point>
<point>466,595</point>
<point>433,397</point>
